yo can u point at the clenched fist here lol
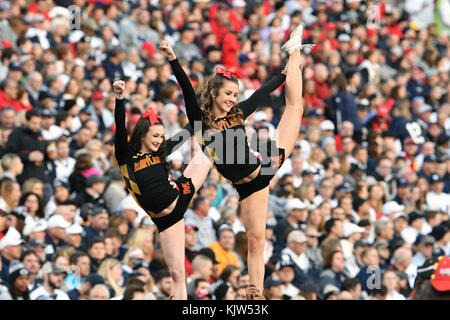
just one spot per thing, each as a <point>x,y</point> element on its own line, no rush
<point>167,50</point>
<point>119,89</point>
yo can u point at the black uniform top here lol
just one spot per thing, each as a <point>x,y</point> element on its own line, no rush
<point>227,146</point>
<point>145,175</point>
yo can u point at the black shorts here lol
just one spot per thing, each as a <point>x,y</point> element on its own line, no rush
<point>271,160</point>
<point>186,191</point>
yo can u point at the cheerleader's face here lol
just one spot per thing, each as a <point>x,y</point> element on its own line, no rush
<point>154,138</point>
<point>225,98</point>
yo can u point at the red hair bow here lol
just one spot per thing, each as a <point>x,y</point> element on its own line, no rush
<point>152,116</point>
<point>226,73</point>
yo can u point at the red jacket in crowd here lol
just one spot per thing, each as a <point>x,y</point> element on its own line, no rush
<point>14,103</point>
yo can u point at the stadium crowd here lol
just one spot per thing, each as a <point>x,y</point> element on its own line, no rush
<point>359,211</point>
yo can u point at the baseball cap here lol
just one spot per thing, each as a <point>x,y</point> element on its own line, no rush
<point>295,203</point>
<point>57,221</point>
<point>36,243</point>
<point>97,95</point>
<point>74,229</point>
<point>39,226</point>
<point>271,282</point>
<point>314,113</point>
<point>285,261</point>
<point>93,179</point>
<point>15,66</point>
<point>424,108</point>
<point>12,238</point>
<point>297,236</point>
<point>351,228</point>
<point>95,279</point>
<point>438,232</point>
<point>329,26</point>
<point>343,37</point>
<point>330,290</point>
<point>90,24</point>
<point>52,268</point>
<point>414,215</point>
<point>430,158</point>
<point>383,110</point>
<point>135,253</point>
<point>346,187</point>
<point>44,94</point>
<point>440,280</point>
<point>97,210</point>
<point>16,270</point>
<point>60,183</point>
<point>422,239</point>
<point>435,178</point>
<point>139,263</point>
<point>239,3</point>
<point>400,215</point>
<point>208,253</point>
<point>189,228</point>
<point>306,172</point>
<point>402,182</point>
<point>224,227</point>
<point>392,206</point>
<point>327,125</point>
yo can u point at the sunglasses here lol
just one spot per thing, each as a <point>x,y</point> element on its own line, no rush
<point>312,236</point>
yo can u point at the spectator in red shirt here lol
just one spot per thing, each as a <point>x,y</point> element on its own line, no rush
<point>9,96</point>
<point>320,79</point>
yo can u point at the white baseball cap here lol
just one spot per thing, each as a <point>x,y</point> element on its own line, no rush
<point>392,206</point>
<point>12,238</point>
<point>57,221</point>
<point>295,203</point>
<point>327,125</point>
<point>351,228</point>
<point>297,236</point>
<point>33,227</point>
<point>260,116</point>
<point>74,229</point>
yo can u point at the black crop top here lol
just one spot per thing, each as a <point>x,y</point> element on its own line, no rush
<point>227,147</point>
<point>144,173</point>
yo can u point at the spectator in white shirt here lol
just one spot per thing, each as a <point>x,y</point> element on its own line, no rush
<point>64,163</point>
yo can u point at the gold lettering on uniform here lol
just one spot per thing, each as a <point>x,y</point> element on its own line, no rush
<point>146,162</point>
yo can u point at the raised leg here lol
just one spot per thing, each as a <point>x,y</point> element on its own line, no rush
<point>198,167</point>
<point>287,131</point>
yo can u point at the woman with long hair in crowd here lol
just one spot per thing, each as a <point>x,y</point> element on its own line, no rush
<point>144,168</point>
<point>250,170</point>
<point>111,271</point>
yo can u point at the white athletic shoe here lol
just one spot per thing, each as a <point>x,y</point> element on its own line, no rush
<point>295,41</point>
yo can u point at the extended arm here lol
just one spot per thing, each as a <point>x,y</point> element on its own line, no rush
<point>260,97</point>
<point>120,139</point>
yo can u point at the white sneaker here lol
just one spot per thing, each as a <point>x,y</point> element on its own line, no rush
<point>295,41</point>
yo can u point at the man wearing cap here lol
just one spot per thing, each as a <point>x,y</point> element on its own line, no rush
<point>86,287</point>
<point>56,232</point>
<point>74,236</point>
<point>96,225</point>
<point>424,250</point>
<point>297,215</point>
<point>50,290</point>
<point>402,197</point>
<point>185,48</point>
<point>60,196</point>
<point>296,243</point>
<point>223,248</point>
<point>273,289</point>
<point>285,272</point>
<point>10,249</point>
<point>28,143</point>
<point>441,234</point>
<point>415,221</point>
<point>92,194</point>
<point>99,113</point>
<point>202,268</point>
<point>436,199</point>
<point>353,233</point>
<point>428,166</point>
